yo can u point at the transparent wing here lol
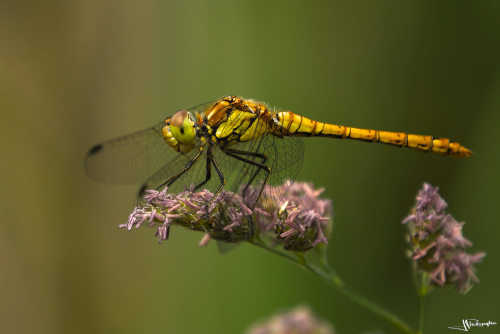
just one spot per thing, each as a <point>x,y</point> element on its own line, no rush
<point>225,247</point>
<point>284,155</point>
<point>137,157</point>
<point>192,176</point>
<point>145,157</point>
<point>132,158</point>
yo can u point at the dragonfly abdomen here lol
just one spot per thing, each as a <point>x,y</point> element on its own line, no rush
<point>291,124</point>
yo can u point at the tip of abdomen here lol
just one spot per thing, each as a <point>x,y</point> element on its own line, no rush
<point>457,150</point>
<point>465,152</point>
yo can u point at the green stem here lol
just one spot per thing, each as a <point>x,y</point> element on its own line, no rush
<point>421,286</point>
<point>335,281</point>
<point>420,314</point>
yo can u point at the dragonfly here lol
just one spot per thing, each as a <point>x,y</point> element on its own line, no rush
<point>245,142</point>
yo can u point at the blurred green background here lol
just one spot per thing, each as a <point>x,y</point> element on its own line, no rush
<point>75,73</point>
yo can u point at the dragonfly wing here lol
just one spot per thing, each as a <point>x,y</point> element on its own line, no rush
<point>226,247</point>
<point>129,159</point>
<point>284,156</point>
<point>193,176</point>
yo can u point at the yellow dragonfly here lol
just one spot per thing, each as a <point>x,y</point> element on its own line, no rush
<point>244,141</point>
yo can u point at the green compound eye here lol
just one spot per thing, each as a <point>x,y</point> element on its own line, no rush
<point>182,128</point>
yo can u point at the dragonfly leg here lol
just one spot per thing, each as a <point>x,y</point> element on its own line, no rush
<point>252,154</point>
<point>267,169</point>
<point>208,175</point>
<point>211,158</point>
<point>261,166</point>
<point>182,171</point>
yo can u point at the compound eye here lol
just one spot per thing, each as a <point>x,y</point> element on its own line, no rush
<point>182,127</point>
<point>178,118</point>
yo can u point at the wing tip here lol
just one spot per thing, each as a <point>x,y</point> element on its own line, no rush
<point>95,149</point>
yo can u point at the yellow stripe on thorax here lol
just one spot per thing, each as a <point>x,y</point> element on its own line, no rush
<point>242,126</point>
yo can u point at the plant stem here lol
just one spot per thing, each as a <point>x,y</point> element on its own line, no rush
<point>420,313</point>
<point>335,281</point>
<point>421,287</point>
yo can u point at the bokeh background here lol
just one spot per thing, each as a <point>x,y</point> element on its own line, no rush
<point>75,73</point>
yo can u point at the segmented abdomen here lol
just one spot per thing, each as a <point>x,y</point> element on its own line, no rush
<point>291,124</point>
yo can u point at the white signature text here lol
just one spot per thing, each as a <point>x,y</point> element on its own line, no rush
<point>469,323</point>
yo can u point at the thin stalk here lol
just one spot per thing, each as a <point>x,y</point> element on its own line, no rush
<point>335,281</point>
<point>421,288</point>
<point>420,313</point>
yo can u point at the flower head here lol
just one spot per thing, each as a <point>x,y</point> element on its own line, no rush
<point>299,320</point>
<point>436,242</point>
<point>299,222</point>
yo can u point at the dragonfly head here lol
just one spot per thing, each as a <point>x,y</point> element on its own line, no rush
<point>180,132</point>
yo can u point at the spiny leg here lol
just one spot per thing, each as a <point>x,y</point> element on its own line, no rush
<point>252,154</point>
<point>233,154</point>
<point>211,158</point>
<point>208,175</point>
<point>172,179</point>
<point>263,167</point>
